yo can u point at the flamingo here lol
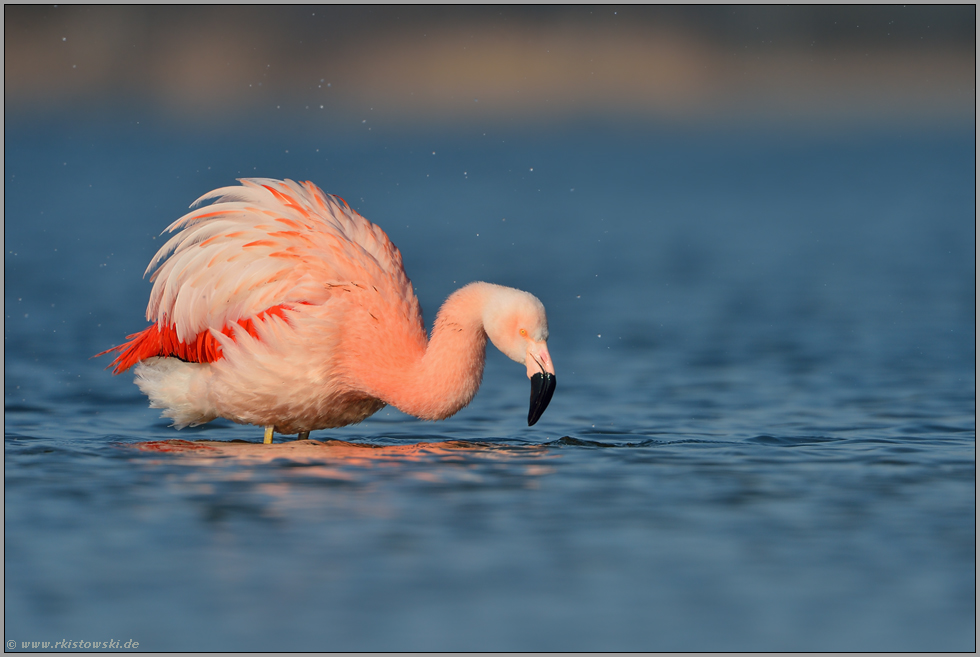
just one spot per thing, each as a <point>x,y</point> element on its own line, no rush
<point>278,305</point>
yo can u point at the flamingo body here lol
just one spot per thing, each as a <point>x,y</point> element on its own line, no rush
<point>280,306</point>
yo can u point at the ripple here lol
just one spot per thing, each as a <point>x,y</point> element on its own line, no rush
<point>569,441</point>
<point>791,441</point>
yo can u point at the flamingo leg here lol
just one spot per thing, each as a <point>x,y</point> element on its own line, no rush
<point>304,435</point>
<point>268,435</point>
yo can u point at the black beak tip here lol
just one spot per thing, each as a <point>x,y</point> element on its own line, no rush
<point>542,388</point>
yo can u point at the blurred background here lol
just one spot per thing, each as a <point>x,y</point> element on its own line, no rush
<point>409,65</point>
<point>753,229</point>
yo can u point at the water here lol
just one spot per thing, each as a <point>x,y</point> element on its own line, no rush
<point>763,436</point>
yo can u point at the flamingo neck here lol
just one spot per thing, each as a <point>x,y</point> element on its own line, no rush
<point>447,376</point>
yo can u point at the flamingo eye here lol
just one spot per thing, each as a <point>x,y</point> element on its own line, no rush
<point>524,332</point>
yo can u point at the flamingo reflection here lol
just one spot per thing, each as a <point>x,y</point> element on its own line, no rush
<point>336,458</point>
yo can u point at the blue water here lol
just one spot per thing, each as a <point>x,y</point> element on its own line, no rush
<point>763,435</point>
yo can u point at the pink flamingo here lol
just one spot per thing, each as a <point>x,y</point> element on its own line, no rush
<point>278,305</point>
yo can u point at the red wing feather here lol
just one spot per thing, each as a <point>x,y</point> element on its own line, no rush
<point>162,341</point>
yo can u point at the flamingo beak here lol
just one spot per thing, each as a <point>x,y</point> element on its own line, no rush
<point>541,371</point>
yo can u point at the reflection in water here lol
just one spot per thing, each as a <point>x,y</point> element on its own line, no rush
<point>338,459</point>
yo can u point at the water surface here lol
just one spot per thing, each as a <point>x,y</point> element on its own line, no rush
<point>763,435</point>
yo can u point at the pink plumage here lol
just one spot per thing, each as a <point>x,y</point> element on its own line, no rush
<point>278,305</point>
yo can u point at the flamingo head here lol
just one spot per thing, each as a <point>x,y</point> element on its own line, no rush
<point>516,324</point>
